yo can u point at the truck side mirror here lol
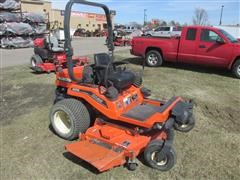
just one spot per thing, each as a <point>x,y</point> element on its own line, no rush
<point>220,40</point>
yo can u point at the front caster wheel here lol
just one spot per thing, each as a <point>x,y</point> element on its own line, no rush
<point>159,156</point>
<point>186,127</point>
<point>132,166</point>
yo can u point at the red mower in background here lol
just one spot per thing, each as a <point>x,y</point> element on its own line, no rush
<point>120,38</point>
<point>121,41</point>
<point>48,56</point>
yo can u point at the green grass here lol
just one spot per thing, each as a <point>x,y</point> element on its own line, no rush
<point>30,150</point>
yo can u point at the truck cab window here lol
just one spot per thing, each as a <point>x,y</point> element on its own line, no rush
<point>166,29</point>
<point>191,34</point>
<point>158,29</point>
<point>209,36</point>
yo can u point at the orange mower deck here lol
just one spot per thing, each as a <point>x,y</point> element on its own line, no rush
<point>105,146</point>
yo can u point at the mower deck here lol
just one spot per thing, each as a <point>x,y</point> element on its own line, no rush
<point>106,145</point>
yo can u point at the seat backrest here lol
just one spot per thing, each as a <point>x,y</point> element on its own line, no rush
<point>51,42</point>
<point>101,60</point>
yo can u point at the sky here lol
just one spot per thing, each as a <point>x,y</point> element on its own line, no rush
<point>181,11</point>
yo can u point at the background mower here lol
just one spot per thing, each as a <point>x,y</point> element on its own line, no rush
<point>48,55</point>
<point>106,106</point>
<point>120,38</point>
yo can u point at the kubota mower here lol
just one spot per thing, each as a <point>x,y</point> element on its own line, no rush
<point>48,56</point>
<point>106,106</point>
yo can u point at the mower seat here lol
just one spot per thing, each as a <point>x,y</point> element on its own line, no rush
<point>120,79</point>
<point>52,44</point>
<point>43,53</point>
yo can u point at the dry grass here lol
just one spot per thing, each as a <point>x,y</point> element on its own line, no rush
<point>30,150</point>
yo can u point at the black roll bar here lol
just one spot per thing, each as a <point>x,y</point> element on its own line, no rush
<point>68,47</point>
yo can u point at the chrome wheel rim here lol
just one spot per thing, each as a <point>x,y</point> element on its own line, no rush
<point>184,125</point>
<point>33,63</point>
<point>238,70</point>
<point>159,163</point>
<point>152,59</point>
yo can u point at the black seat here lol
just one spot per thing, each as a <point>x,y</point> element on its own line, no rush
<point>51,43</point>
<point>43,53</point>
<point>119,78</point>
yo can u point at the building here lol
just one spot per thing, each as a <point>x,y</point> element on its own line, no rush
<point>88,21</point>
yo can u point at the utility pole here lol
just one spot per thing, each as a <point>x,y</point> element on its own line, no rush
<point>220,22</point>
<point>145,17</point>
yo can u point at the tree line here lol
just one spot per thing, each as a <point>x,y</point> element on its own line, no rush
<point>200,17</point>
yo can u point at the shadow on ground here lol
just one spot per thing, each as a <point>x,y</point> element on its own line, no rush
<point>80,162</point>
<point>188,67</point>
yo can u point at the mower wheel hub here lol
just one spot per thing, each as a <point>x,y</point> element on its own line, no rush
<point>159,161</point>
<point>62,121</point>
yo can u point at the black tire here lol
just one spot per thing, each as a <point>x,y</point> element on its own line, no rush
<point>132,166</point>
<point>236,69</point>
<point>185,127</point>
<point>170,134</point>
<point>154,58</point>
<point>156,149</point>
<point>138,81</point>
<point>35,60</point>
<point>75,115</point>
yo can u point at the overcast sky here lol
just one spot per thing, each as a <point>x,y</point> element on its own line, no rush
<point>178,10</point>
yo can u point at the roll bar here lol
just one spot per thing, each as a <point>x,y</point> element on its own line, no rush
<point>68,47</point>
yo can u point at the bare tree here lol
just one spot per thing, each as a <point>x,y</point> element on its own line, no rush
<point>172,23</point>
<point>163,23</point>
<point>135,24</point>
<point>200,17</point>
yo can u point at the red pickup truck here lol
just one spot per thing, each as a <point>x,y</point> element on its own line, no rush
<point>202,45</point>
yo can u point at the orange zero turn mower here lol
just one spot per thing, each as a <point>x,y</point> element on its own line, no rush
<point>106,107</point>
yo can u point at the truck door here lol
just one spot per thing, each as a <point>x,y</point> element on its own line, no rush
<point>212,49</point>
<point>166,31</point>
<point>187,47</point>
<point>158,32</point>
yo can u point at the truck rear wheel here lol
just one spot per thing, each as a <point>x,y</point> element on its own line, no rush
<point>69,118</point>
<point>236,68</point>
<point>154,58</point>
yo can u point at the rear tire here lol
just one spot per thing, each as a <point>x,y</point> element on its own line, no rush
<point>69,118</point>
<point>236,69</point>
<point>153,58</point>
<point>35,60</point>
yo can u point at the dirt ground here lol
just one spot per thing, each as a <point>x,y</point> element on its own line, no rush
<point>30,150</point>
